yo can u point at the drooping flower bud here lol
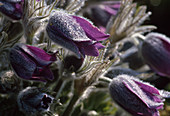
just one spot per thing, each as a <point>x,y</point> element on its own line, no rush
<point>75,33</point>
<point>112,72</point>
<point>155,51</point>
<point>32,101</point>
<point>137,97</point>
<point>31,63</point>
<point>101,12</point>
<point>12,8</point>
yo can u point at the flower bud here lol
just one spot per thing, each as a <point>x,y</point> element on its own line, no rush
<point>115,71</point>
<point>155,51</point>
<point>101,12</point>
<point>137,97</point>
<point>75,34</point>
<point>12,8</point>
<point>32,101</point>
<point>31,63</point>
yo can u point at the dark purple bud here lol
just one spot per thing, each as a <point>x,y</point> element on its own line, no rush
<point>155,51</point>
<point>72,63</point>
<point>115,71</point>
<point>31,63</point>
<point>12,8</point>
<point>75,33</point>
<point>32,101</point>
<point>101,13</point>
<point>137,97</point>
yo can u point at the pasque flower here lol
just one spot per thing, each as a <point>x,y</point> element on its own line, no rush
<point>12,8</point>
<point>101,12</point>
<point>75,33</point>
<point>137,97</point>
<point>32,101</point>
<point>31,63</point>
<point>155,51</point>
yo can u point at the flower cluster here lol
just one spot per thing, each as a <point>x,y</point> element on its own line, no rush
<point>76,57</point>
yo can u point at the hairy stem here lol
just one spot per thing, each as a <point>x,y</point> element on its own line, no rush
<point>70,108</point>
<point>60,86</point>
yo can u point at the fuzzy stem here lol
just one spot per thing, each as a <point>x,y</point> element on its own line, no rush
<point>48,45</point>
<point>105,79</point>
<point>136,37</point>
<point>29,40</point>
<point>59,88</point>
<point>69,109</point>
<point>58,85</point>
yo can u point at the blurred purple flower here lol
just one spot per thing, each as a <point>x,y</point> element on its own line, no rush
<point>155,51</point>
<point>75,33</point>
<point>31,63</point>
<point>12,8</point>
<point>101,13</point>
<point>137,97</point>
<point>32,101</point>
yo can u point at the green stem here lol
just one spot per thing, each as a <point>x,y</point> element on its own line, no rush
<point>59,88</point>
<point>69,109</point>
<point>58,85</point>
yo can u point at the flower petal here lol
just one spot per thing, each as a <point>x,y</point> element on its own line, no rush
<point>38,55</point>
<point>147,88</point>
<point>88,49</point>
<point>66,26</point>
<point>43,74</point>
<point>152,92</point>
<point>142,96</point>
<point>21,64</point>
<point>11,9</point>
<point>164,94</point>
<point>98,45</point>
<point>91,31</point>
<point>62,41</point>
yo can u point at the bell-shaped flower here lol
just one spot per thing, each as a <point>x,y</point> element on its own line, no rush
<point>75,33</point>
<point>12,8</point>
<point>137,97</point>
<point>31,63</point>
<point>32,101</point>
<point>155,51</point>
<point>101,12</point>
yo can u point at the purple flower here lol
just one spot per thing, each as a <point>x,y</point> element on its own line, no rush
<point>137,97</point>
<point>31,63</point>
<point>155,51</point>
<point>75,33</point>
<point>12,8</point>
<point>101,13</point>
<point>32,101</point>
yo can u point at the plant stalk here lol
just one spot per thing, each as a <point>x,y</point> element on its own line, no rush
<point>70,108</point>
